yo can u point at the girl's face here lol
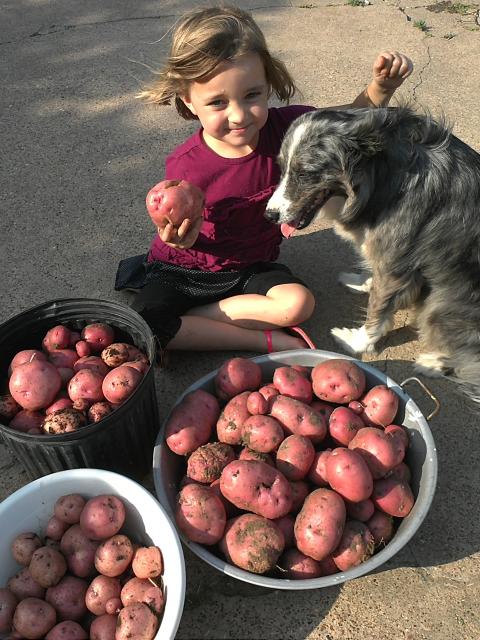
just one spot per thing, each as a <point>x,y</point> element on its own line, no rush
<point>232,105</point>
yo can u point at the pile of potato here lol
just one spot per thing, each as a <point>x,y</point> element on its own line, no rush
<point>300,477</point>
<point>74,380</point>
<point>83,578</point>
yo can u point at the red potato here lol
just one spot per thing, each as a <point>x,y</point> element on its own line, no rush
<point>298,566</point>
<point>325,409</point>
<point>26,420</point>
<point>139,365</point>
<point>98,335</point>
<point>300,490</point>
<point>35,384</point>
<point>68,598</point>
<point>8,603</point>
<point>24,356</point>
<point>200,514</point>
<point>86,384</point>
<point>295,457</point>
<point>191,422</point>
<point>136,621</point>
<point>174,201</point>
<point>114,555</point>
<point>299,418</point>
<point>83,349</point>
<point>57,337</point>
<point>237,375</point>
<point>22,585</point>
<point>113,606</point>
<point>319,525</point>
<point>398,431</point>
<point>256,487</point>
<point>60,403</point>
<point>286,525</point>
<point>47,566</point>
<point>400,472</point>
<point>349,475</point>
<point>23,547</point>
<point>381,527</point>
<point>142,590</point>
<point>361,511</point>
<point>99,591</point>
<point>254,543</point>
<point>79,551</point>
<point>293,384</point>
<point>33,618</point>
<point>55,529</point>
<point>381,451</point>
<point>103,627</point>
<point>338,380</point>
<point>380,406</point>
<point>68,630</point>
<point>356,545</point>
<point>328,566</point>
<point>230,509</point>
<point>262,433</point>
<point>74,338</point>
<point>230,422</point>
<point>116,354</point>
<point>98,411</point>
<point>119,384</point>
<point>343,425</point>
<point>207,462</point>
<point>147,562</point>
<point>94,363</point>
<point>63,358</point>
<point>257,404</point>
<point>66,374</point>
<point>8,407</point>
<point>393,497</point>
<point>64,421</point>
<point>269,392</point>
<point>102,517</point>
<point>317,473</point>
<point>248,454</point>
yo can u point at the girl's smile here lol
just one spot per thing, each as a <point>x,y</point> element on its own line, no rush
<point>232,105</point>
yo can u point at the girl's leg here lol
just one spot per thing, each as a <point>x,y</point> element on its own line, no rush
<point>284,305</point>
<point>164,308</point>
<point>199,333</point>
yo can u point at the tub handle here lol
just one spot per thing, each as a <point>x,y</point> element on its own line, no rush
<point>428,392</point>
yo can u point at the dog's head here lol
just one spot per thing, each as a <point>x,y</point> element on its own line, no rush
<point>325,154</point>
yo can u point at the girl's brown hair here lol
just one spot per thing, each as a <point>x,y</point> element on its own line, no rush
<point>201,40</point>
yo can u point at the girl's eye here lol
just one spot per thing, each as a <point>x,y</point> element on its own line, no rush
<point>253,94</point>
<point>215,103</point>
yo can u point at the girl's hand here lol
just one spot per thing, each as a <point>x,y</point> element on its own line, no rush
<point>390,69</point>
<point>182,238</point>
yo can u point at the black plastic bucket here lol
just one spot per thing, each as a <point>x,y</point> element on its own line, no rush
<point>123,441</point>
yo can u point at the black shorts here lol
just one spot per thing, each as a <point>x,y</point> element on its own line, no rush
<point>166,292</point>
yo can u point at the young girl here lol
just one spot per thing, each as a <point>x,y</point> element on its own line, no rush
<point>214,284</point>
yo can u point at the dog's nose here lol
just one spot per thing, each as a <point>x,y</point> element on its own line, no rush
<point>272,215</point>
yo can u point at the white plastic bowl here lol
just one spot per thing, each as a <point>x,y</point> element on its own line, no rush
<point>147,522</point>
<point>421,457</point>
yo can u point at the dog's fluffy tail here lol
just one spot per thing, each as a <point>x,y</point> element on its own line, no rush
<point>466,373</point>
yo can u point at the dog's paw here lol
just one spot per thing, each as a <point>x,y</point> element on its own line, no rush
<point>431,365</point>
<point>356,282</point>
<point>353,340</point>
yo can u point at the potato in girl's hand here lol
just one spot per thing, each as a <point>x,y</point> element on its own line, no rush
<point>174,201</point>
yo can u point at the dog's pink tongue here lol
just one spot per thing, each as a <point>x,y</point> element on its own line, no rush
<point>287,229</point>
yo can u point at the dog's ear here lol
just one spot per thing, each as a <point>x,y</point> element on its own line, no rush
<point>365,132</point>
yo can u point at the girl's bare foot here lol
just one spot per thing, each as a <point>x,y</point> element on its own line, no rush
<point>283,341</point>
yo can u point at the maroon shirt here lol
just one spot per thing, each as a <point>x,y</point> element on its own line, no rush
<point>234,233</point>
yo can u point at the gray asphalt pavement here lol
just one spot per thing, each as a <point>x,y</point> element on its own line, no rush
<point>78,154</point>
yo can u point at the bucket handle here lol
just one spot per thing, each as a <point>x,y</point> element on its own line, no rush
<point>428,392</point>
